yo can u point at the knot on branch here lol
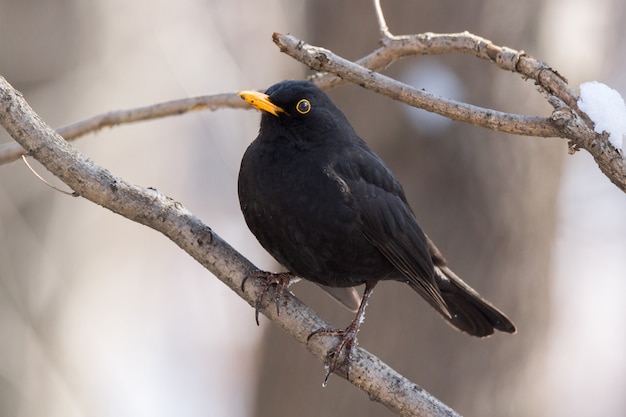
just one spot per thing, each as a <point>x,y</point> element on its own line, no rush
<point>505,57</point>
<point>569,122</point>
<point>321,58</point>
<point>562,117</point>
<point>546,76</point>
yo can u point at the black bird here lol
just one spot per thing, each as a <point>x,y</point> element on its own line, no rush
<point>328,209</point>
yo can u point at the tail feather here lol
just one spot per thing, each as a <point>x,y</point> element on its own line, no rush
<point>469,312</point>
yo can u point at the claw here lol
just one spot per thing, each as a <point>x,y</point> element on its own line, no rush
<point>281,280</point>
<point>347,342</point>
<point>347,335</point>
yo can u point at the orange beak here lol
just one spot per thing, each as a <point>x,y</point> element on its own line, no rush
<point>260,101</point>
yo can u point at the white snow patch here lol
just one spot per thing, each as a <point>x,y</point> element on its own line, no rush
<point>605,106</point>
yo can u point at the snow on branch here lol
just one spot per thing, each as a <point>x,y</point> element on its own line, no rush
<point>605,106</point>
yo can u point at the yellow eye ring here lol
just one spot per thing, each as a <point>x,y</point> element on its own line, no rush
<point>303,106</point>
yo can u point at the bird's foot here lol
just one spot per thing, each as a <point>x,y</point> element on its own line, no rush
<point>347,343</point>
<point>281,280</point>
<point>347,335</point>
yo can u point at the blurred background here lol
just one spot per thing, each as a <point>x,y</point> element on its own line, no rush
<point>103,317</point>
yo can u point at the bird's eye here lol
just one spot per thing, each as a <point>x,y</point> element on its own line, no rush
<point>303,106</point>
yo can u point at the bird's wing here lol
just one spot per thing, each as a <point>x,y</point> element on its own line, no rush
<point>387,220</point>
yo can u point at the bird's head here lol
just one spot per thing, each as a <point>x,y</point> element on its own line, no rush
<point>298,106</point>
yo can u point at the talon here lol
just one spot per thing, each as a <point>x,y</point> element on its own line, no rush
<point>347,335</point>
<point>317,332</point>
<point>243,282</point>
<point>257,307</point>
<point>348,343</point>
<point>281,280</point>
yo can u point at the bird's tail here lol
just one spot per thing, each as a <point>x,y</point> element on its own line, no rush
<point>469,312</point>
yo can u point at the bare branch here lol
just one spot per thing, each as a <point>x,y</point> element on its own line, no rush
<point>11,151</point>
<point>567,121</point>
<point>324,60</point>
<point>161,213</point>
<point>382,23</point>
<point>42,179</point>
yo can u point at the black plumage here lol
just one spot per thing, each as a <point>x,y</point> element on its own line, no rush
<point>326,207</point>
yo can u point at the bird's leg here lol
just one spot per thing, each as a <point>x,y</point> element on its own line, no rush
<point>347,335</point>
<point>280,279</point>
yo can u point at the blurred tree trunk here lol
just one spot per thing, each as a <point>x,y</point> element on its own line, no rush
<point>488,201</point>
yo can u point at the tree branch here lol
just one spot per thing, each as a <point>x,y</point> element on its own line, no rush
<point>321,59</point>
<point>11,151</point>
<point>161,213</point>
<point>566,121</point>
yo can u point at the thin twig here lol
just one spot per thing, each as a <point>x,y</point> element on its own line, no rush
<point>382,23</point>
<point>155,111</point>
<point>11,151</point>
<point>40,178</point>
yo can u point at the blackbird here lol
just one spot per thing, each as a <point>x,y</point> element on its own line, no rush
<point>328,209</point>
